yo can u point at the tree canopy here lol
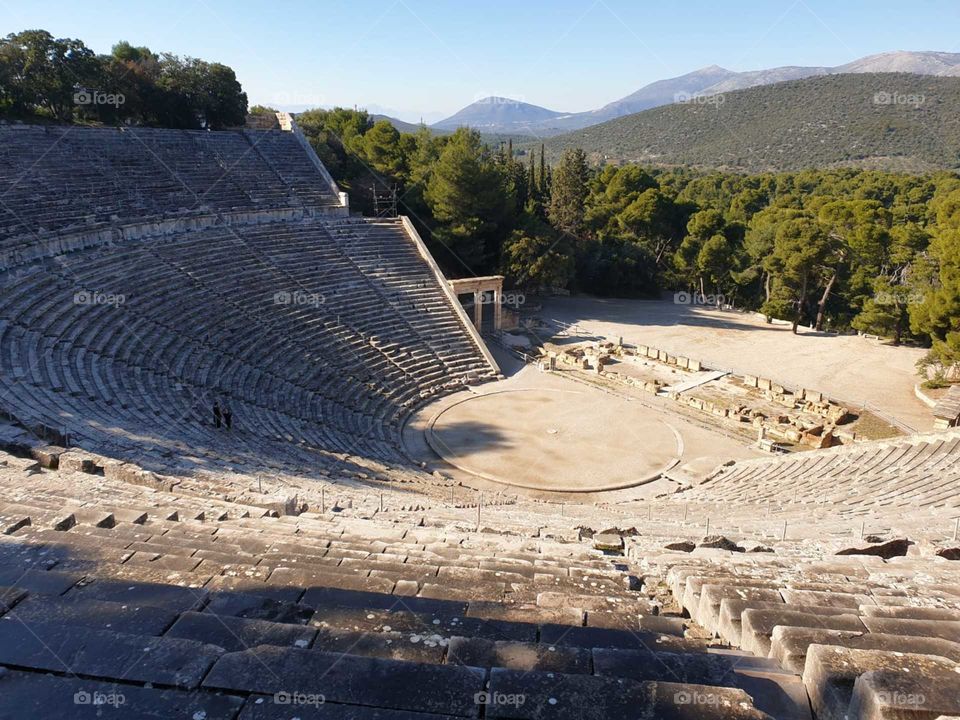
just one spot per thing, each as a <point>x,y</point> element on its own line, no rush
<point>60,79</point>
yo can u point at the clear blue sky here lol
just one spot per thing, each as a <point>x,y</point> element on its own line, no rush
<point>435,56</point>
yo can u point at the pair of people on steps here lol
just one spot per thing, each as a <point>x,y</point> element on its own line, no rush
<point>222,417</point>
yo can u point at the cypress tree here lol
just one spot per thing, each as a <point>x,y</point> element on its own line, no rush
<point>532,179</point>
<point>568,194</point>
<point>542,182</point>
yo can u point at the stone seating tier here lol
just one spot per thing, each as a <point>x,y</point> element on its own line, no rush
<point>178,601</point>
<point>65,179</point>
<point>113,593</point>
<point>307,343</point>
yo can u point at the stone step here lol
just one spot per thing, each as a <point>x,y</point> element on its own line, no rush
<point>36,695</point>
<point>234,634</point>
<point>479,652</point>
<point>831,675</point>
<point>526,613</point>
<point>730,623</point>
<point>95,614</point>
<point>281,707</point>
<point>780,694</point>
<point>662,624</point>
<point>910,613</point>
<point>350,679</point>
<point>91,516</point>
<point>438,623</point>
<point>10,596</point>
<point>884,693</point>
<point>39,518</point>
<point>11,520</point>
<point>44,582</point>
<point>589,638</point>
<point>421,646</point>
<point>171,597</point>
<point>758,626</point>
<point>105,654</point>
<point>946,629</point>
<point>257,607</point>
<point>707,612</point>
<point>524,695</point>
<point>789,644</point>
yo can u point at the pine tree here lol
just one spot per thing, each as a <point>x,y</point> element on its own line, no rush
<point>465,193</point>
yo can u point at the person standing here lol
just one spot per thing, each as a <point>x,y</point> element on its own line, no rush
<point>217,414</point>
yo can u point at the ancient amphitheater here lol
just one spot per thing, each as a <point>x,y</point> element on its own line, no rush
<point>390,520</point>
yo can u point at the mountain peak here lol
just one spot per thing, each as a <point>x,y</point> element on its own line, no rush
<point>498,114</point>
<point>497,100</point>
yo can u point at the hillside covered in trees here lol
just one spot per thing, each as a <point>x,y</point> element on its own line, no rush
<point>43,78</point>
<point>891,121</point>
<point>838,249</point>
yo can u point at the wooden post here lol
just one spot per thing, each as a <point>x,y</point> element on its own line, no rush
<point>956,530</point>
<point>783,535</point>
<point>479,506</point>
<point>323,499</point>
<point>862,524</point>
<point>381,502</point>
<point>708,526</point>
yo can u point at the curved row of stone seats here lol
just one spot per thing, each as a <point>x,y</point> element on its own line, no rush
<point>861,629</point>
<point>921,471</point>
<point>374,620</point>
<point>153,331</point>
<point>56,179</point>
<point>336,488</point>
<point>392,270</point>
<point>282,152</point>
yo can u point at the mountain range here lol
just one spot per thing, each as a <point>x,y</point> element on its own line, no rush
<point>503,115</point>
<point>892,121</point>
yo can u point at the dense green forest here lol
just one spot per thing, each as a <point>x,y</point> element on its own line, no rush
<point>886,121</point>
<point>43,78</point>
<point>837,249</point>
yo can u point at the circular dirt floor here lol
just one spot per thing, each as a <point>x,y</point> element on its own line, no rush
<point>558,440</point>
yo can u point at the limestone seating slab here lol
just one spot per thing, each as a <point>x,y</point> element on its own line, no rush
<point>831,674</point>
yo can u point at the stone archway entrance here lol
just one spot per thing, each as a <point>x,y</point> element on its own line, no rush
<point>479,287</point>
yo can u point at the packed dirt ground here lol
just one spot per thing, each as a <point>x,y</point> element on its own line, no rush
<point>851,368</point>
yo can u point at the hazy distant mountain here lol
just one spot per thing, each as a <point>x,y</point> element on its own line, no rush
<point>920,63</point>
<point>753,78</point>
<point>411,117</point>
<point>501,115</point>
<point>661,92</point>
<point>498,114</point>
<point>400,125</point>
